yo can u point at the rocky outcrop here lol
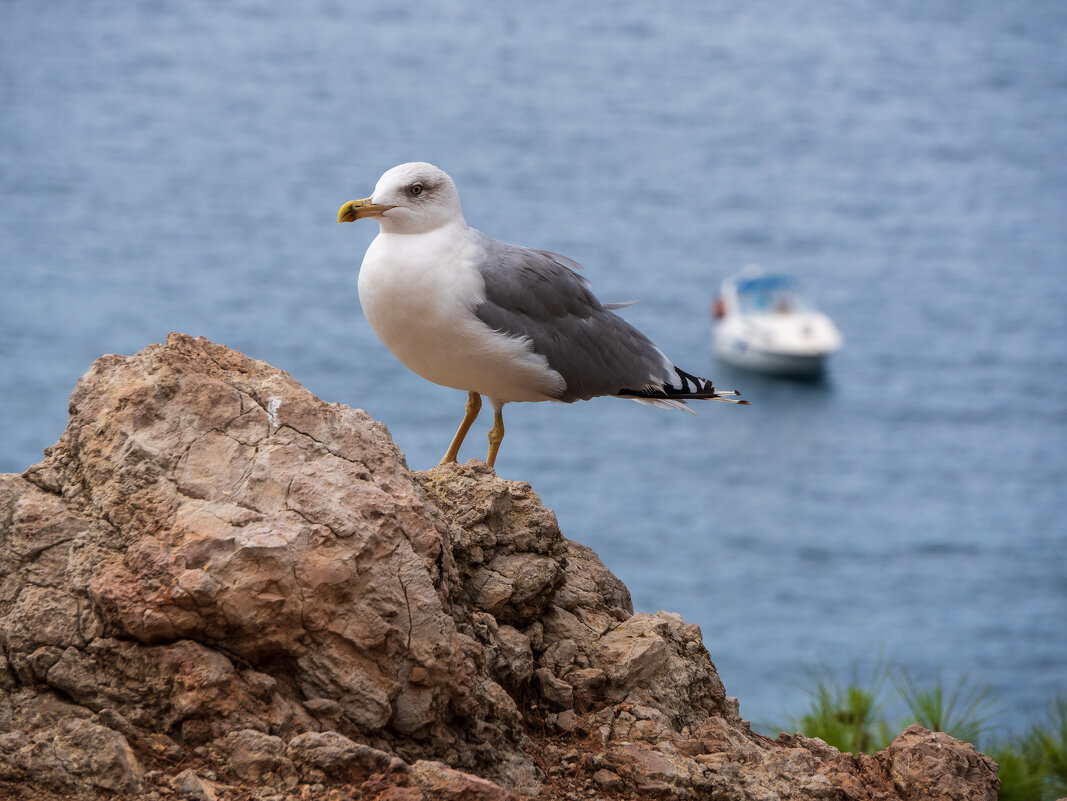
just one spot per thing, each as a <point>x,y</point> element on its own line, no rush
<point>215,584</point>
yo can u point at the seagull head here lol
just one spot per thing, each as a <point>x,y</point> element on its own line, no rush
<point>412,198</point>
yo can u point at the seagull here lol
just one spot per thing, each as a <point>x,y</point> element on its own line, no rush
<point>511,323</point>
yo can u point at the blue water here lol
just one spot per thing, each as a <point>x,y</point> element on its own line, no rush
<point>178,166</point>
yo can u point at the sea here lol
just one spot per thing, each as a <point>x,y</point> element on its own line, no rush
<point>178,166</point>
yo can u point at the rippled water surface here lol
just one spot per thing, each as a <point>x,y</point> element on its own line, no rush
<point>179,167</point>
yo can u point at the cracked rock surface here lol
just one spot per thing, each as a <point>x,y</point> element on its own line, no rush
<point>216,584</point>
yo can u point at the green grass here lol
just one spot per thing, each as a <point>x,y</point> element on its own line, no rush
<point>1033,766</point>
<point>847,716</point>
<point>964,711</point>
<point>852,716</point>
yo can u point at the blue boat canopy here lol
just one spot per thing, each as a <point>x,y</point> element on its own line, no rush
<point>766,283</point>
<point>763,294</point>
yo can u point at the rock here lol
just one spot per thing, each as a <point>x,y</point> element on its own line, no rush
<point>509,652</point>
<point>78,754</point>
<point>215,566</point>
<point>380,788</point>
<point>926,764</point>
<point>607,780</point>
<point>554,691</point>
<point>337,756</point>
<point>506,547</point>
<point>439,781</point>
<point>653,772</point>
<point>252,755</point>
<point>203,508</point>
<point>189,783</point>
<point>647,660</point>
<point>567,721</point>
<point>324,707</point>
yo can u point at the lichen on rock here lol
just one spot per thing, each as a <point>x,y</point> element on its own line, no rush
<point>215,580</point>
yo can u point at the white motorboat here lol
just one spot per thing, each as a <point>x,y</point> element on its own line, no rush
<point>763,322</point>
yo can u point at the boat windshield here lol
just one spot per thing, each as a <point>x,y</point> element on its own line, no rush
<point>778,294</point>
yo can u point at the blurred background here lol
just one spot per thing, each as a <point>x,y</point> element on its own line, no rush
<point>179,166</point>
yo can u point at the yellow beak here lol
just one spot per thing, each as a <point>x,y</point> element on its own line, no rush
<point>358,209</point>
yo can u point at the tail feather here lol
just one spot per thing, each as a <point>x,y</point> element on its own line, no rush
<point>691,388</point>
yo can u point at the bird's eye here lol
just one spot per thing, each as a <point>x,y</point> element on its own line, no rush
<point>415,190</point>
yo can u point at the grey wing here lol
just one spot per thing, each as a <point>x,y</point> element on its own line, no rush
<point>538,295</point>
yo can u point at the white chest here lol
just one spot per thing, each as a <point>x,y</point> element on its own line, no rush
<point>410,286</point>
<point>418,293</point>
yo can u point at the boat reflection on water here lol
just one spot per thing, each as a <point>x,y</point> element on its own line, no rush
<point>763,322</point>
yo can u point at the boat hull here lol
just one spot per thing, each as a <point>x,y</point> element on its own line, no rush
<point>739,353</point>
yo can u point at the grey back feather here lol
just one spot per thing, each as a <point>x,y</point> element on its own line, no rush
<point>538,295</point>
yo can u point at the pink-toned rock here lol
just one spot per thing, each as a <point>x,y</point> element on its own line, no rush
<point>78,753</point>
<point>439,781</point>
<point>660,661</point>
<point>258,528</point>
<point>203,507</point>
<point>506,547</point>
<point>925,764</point>
<point>337,756</point>
<point>254,756</point>
<point>195,787</point>
<point>213,564</point>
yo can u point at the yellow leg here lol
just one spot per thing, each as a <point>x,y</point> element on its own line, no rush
<point>474,405</point>
<point>496,435</point>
